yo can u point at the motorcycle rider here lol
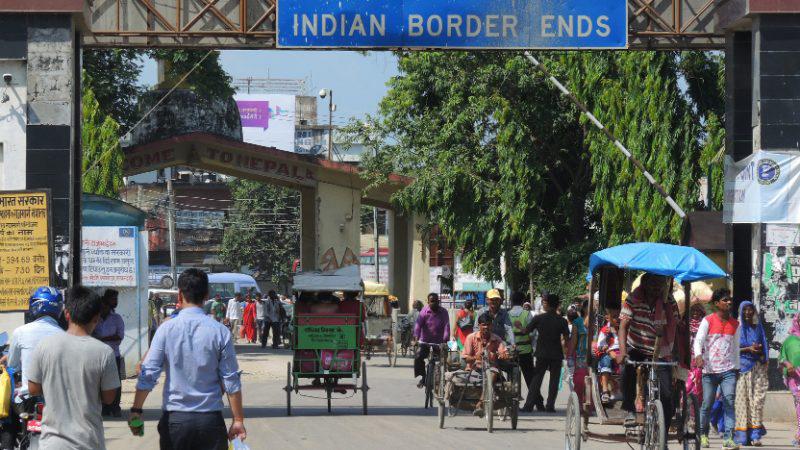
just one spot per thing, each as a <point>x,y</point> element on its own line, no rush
<point>45,309</point>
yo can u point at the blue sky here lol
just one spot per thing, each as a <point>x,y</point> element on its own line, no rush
<point>358,80</point>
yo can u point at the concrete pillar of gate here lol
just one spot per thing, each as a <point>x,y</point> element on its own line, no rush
<point>39,119</point>
<point>409,267</point>
<point>330,226</point>
<point>763,100</point>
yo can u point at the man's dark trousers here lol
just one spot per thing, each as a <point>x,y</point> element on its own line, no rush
<point>419,360</point>
<point>526,367</point>
<point>192,431</point>
<point>276,333</point>
<point>534,392</point>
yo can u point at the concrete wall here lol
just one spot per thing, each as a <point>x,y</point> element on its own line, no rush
<point>338,224</point>
<point>13,120</point>
<point>409,267</point>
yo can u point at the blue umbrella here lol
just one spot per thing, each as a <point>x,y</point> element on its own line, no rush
<point>680,263</point>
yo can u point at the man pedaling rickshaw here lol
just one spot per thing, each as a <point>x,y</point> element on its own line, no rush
<point>473,354</point>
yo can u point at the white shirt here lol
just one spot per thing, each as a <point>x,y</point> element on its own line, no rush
<point>718,342</point>
<point>259,310</point>
<point>234,310</point>
<point>24,342</point>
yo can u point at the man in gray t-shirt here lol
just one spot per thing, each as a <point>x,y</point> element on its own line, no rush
<point>87,366</point>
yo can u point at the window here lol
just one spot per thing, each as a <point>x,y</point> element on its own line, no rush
<point>226,290</point>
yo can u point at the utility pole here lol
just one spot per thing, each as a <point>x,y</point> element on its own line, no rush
<point>330,126</point>
<point>377,244</point>
<point>171,225</point>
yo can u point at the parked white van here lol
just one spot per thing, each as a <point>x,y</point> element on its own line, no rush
<point>227,284</point>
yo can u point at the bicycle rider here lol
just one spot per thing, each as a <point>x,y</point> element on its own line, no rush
<point>644,315</point>
<point>432,327</point>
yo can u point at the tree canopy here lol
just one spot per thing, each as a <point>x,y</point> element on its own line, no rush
<point>504,164</point>
<point>262,229</point>
<point>101,149</point>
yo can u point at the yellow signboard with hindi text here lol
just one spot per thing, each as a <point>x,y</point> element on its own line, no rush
<point>25,246</point>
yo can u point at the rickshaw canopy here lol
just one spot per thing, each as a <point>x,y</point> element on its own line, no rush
<point>347,278</point>
<point>681,263</point>
<point>375,289</point>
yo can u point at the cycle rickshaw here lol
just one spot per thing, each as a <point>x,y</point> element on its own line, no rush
<point>456,389</point>
<point>607,269</point>
<point>328,336</point>
<point>379,324</point>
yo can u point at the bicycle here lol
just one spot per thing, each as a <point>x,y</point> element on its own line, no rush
<point>430,370</point>
<point>652,435</point>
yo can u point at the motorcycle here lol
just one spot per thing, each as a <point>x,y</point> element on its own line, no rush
<point>23,426</point>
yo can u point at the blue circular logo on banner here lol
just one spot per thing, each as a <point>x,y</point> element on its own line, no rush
<point>768,171</point>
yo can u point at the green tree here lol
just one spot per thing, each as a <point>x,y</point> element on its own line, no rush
<point>102,155</point>
<point>262,231</point>
<point>113,76</point>
<point>504,164</point>
<point>636,95</point>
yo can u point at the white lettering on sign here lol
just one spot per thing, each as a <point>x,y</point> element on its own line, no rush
<point>344,25</point>
<point>574,26</point>
<point>491,25</point>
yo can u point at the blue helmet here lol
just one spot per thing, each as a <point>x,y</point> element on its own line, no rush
<point>46,301</point>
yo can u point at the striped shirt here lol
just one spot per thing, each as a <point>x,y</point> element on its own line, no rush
<point>644,324</point>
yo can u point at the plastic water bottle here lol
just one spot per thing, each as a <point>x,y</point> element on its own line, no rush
<point>237,444</point>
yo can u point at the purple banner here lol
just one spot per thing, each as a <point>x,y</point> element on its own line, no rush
<point>254,113</point>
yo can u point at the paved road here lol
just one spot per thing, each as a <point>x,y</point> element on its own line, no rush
<point>396,418</point>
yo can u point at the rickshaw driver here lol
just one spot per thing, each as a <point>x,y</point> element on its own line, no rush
<point>644,315</point>
<point>432,327</point>
<point>474,346</point>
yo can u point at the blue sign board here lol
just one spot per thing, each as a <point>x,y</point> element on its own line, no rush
<point>478,24</point>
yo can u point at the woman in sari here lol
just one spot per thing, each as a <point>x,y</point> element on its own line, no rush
<point>751,388</point>
<point>249,321</point>
<point>790,360</point>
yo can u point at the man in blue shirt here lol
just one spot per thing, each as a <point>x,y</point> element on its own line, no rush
<point>198,354</point>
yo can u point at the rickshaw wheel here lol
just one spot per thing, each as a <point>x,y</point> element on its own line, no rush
<point>654,432</point>
<point>288,389</point>
<point>328,392</point>
<point>691,436</point>
<point>364,386</point>
<point>572,427</point>
<point>514,414</point>
<point>516,385</point>
<point>488,400</point>
<point>442,413</point>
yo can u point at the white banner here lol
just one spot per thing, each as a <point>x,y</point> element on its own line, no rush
<point>108,256</point>
<point>763,188</point>
<point>268,119</point>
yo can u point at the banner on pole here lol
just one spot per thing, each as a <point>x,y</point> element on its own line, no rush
<point>763,188</point>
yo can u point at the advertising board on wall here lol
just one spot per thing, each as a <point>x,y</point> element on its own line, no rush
<point>108,256</point>
<point>268,119</point>
<point>25,247</point>
<point>531,24</point>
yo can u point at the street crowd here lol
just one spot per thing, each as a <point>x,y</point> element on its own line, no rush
<point>727,357</point>
<point>78,371</point>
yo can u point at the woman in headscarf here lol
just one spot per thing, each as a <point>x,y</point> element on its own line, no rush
<point>751,389</point>
<point>790,360</point>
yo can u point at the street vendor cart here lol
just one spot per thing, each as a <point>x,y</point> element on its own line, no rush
<point>328,321</point>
